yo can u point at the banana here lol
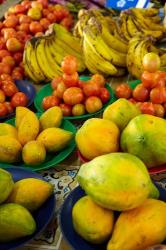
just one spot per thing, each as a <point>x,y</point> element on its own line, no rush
<point>121,71</point>
<point>132,28</point>
<point>28,70</point>
<point>155,19</point>
<point>82,22</point>
<point>124,28</point>
<point>163,60</point>
<point>150,12</point>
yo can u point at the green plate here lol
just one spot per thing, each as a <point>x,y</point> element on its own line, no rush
<point>47,90</point>
<point>51,159</point>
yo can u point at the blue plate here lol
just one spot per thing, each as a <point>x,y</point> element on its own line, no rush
<point>73,239</point>
<point>41,216</point>
<point>27,88</point>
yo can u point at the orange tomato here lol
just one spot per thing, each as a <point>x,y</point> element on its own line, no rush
<point>24,19</point>
<point>35,27</point>
<point>147,108</point>
<point>11,21</point>
<point>45,23</point>
<point>3,109</point>
<point>123,91</point>
<point>93,104</point>
<point>73,95</point>
<point>13,45</point>
<point>159,110</point>
<point>4,53</point>
<point>99,79</point>
<point>5,68</point>
<point>24,27</point>
<point>158,95</point>
<point>19,99</point>
<point>50,101</point>
<point>9,60</point>
<point>2,96</point>
<point>140,93</point>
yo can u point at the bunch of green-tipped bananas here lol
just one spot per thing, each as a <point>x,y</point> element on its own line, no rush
<point>43,55</point>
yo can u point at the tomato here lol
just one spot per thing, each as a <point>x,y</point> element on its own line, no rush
<point>45,12</point>
<point>43,2</point>
<point>67,22</point>
<point>81,84</point>
<point>50,7</point>
<point>13,44</point>
<point>9,107</point>
<point>151,62</point>
<point>158,95</point>
<point>58,14</point>
<point>159,79</point>
<point>147,79</point>
<point>11,21</point>
<point>26,4</point>
<point>3,109</point>
<point>4,53</point>
<point>45,23</point>
<point>123,91</point>
<point>104,95</point>
<point>51,17</point>
<point>159,110</point>
<point>93,104</point>
<point>24,19</point>
<point>24,27</point>
<point>147,108</point>
<point>55,82</point>
<point>9,60</point>
<point>18,57</point>
<point>5,77</point>
<point>140,93</point>
<point>1,25</point>
<point>16,75</point>
<point>71,80</point>
<point>5,68</point>
<point>2,96</point>
<point>38,5</point>
<point>19,99</point>
<point>69,65</point>
<point>9,33</point>
<point>60,89</point>
<point>138,104</point>
<point>91,88</point>
<point>73,95</point>
<point>2,43</point>
<point>99,79</point>
<point>66,109</point>
<point>50,101</point>
<point>132,100</point>
<point>20,8</point>
<point>78,109</point>
<point>35,27</point>
<point>9,88</point>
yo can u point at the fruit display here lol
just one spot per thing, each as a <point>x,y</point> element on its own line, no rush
<point>32,136</point>
<point>22,198</point>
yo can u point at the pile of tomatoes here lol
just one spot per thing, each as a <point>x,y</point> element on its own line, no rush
<point>150,94</point>
<point>76,97</point>
<point>22,22</point>
<point>10,96</point>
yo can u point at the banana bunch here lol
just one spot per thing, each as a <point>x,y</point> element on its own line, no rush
<point>137,20</point>
<point>43,55</point>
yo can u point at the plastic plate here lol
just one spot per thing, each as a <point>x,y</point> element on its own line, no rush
<point>51,159</point>
<point>27,88</point>
<point>74,240</point>
<point>42,216</point>
<point>47,90</point>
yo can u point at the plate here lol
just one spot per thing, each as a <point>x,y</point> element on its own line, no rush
<point>51,159</point>
<point>74,240</point>
<point>27,88</point>
<point>41,216</point>
<point>47,90</point>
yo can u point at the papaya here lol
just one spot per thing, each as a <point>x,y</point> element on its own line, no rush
<point>91,221</point>
<point>20,113</point>
<point>31,193</point>
<point>15,222</point>
<point>7,129</point>
<point>54,139</point>
<point>10,149</point>
<point>140,227</point>
<point>28,128</point>
<point>6,185</point>
<point>51,118</point>
<point>121,112</point>
<point>117,181</point>
<point>97,137</point>
<point>145,137</point>
<point>33,153</point>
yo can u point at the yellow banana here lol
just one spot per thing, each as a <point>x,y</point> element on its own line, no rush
<point>124,28</point>
<point>132,28</point>
<point>150,12</point>
<point>28,71</point>
<point>163,60</point>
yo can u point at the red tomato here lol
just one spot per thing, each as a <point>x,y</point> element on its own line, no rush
<point>123,91</point>
<point>13,44</point>
<point>2,43</point>
<point>9,60</point>
<point>9,107</point>
<point>24,19</point>
<point>91,88</point>
<point>3,109</point>
<point>140,93</point>
<point>50,7</point>
<point>43,2</point>
<point>93,104</point>
<point>60,89</point>
<point>9,88</point>
<point>147,108</point>
<point>159,79</point>
<point>81,84</point>
<point>16,75</point>
<point>4,53</point>
<point>55,82</point>
<point>73,95</point>
<point>58,14</point>
<point>66,109</point>
<point>67,22</point>
<point>159,110</point>
<point>26,4</point>
<point>45,12</point>
<point>5,77</point>
<point>132,100</point>
<point>69,65</point>
<point>28,37</point>
<point>71,80</point>
<point>45,23</point>
<point>20,8</point>
<point>78,109</point>
<point>5,69</point>
<point>18,57</point>
<point>2,96</point>
<point>104,95</point>
<point>147,79</point>
<point>9,33</point>
<point>11,21</point>
<point>24,27</point>
<point>21,35</point>
<point>158,95</point>
<point>51,17</point>
<point>50,101</point>
<point>19,99</point>
<point>99,79</point>
<point>35,27</point>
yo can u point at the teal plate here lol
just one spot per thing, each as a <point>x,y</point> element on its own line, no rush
<point>51,159</point>
<point>47,90</point>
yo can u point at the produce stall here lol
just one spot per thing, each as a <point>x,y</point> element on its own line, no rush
<point>35,63</point>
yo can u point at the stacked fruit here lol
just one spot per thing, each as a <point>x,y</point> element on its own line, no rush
<point>30,18</point>
<point>76,97</point>
<point>10,96</point>
<point>150,95</point>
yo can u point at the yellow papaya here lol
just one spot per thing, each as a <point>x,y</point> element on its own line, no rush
<point>20,113</point>
<point>7,129</point>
